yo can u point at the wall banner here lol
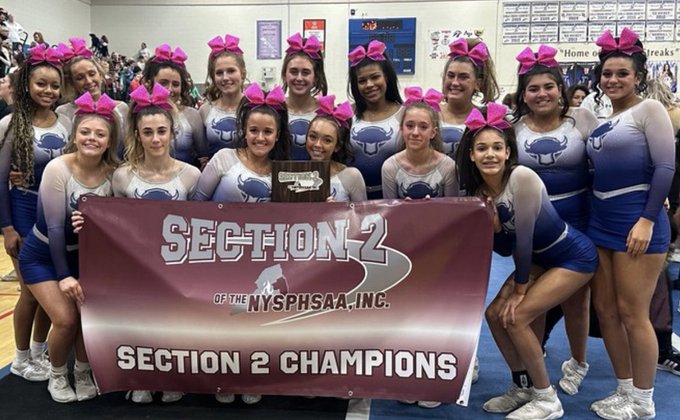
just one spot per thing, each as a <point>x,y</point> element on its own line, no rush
<point>380,299</point>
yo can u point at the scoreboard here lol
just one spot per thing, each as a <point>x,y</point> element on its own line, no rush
<point>398,35</point>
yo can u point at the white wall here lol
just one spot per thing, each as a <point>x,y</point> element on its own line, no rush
<point>189,25</point>
<point>56,19</point>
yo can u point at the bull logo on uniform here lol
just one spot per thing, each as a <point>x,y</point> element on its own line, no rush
<point>51,144</point>
<point>372,139</point>
<point>451,138</point>
<point>254,190</point>
<point>74,199</point>
<point>545,150</point>
<point>506,215</point>
<point>298,132</point>
<point>600,133</point>
<point>271,281</point>
<point>419,189</point>
<point>157,194</point>
<point>225,129</point>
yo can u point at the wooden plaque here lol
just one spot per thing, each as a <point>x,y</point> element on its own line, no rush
<point>301,181</point>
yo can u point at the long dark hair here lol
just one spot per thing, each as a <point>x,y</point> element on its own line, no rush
<point>639,60</point>
<point>320,83</point>
<point>281,150</point>
<point>152,68</point>
<point>468,174</point>
<point>392,83</point>
<point>344,154</point>
<point>523,81</point>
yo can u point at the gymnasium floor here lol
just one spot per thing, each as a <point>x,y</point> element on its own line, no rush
<point>22,399</point>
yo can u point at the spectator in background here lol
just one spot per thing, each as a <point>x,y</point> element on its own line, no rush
<point>144,52</point>
<point>39,40</point>
<point>577,94</point>
<point>104,46</point>
<point>16,33</point>
<point>5,51</point>
<point>17,60</point>
<point>95,45</point>
<point>6,95</point>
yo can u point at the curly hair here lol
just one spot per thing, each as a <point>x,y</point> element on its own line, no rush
<point>21,123</point>
<point>639,60</point>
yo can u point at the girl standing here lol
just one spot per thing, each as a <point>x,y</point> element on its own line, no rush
<point>223,91</point>
<point>151,173</point>
<point>167,68</point>
<point>375,133</point>
<point>551,140</point>
<point>31,136</point>
<point>303,78</point>
<point>421,170</point>
<point>328,139</point>
<point>49,256</point>
<point>468,73</point>
<point>632,155</point>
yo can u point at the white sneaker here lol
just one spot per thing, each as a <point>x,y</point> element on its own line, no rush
<point>429,404</point>
<point>251,399</point>
<point>542,407</point>
<point>627,409</point>
<point>43,360</point>
<point>139,397</point>
<point>613,398</point>
<point>513,398</point>
<point>30,371</point>
<point>475,371</point>
<point>171,396</point>
<point>85,389</point>
<point>60,389</point>
<point>225,398</point>
<point>573,374</point>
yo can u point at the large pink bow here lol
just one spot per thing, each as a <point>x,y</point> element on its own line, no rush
<point>415,94</point>
<point>311,47</point>
<point>375,52</point>
<point>41,54</point>
<point>478,54</point>
<point>545,57</point>
<point>78,48</point>
<point>256,97</point>
<point>625,45</point>
<point>158,97</point>
<point>495,118</point>
<point>164,53</point>
<point>341,114</point>
<point>229,44</point>
<point>103,107</point>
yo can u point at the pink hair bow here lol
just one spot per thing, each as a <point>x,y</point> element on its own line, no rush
<point>478,54</point>
<point>275,98</point>
<point>164,53</point>
<point>78,48</point>
<point>495,118</point>
<point>158,97</point>
<point>311,47</point>
<point>375,52</point>
<point>340,114</point>
<point>103,107</point>
<point>544,57</point>
<point>41,54</point>
<point>229,44</point>
<point>625,45</point>
<point>415,94</point>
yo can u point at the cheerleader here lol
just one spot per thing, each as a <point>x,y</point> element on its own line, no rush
<point>421,170</point>
<point>303,78</point>
<point>167,69</point>
<point>223,90</point>
<point>328,139</point>
<point>633,159</point>
<point>468,73</point>
<point>551,140</point>
<point>49,256</point>
<point>375,133</point>
<point>32,136</point>
<point>528,228</point>
<point>83,73</point>
<point>151,173</point>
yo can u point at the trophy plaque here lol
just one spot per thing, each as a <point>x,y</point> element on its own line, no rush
<point>301,181</point>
